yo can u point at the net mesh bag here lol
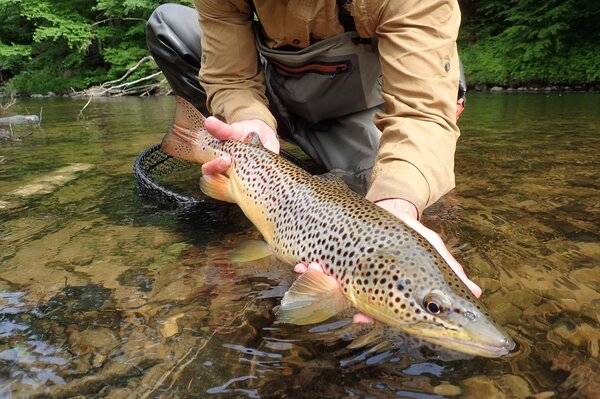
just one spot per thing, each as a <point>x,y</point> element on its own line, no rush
<point>152,169</point>
<point>166,179</point>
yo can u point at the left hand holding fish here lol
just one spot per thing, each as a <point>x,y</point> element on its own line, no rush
<point>237,131</point>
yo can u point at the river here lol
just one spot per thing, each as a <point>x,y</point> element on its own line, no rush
<point>104,293</point>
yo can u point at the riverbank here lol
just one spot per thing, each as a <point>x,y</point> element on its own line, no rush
<point>534,88</point>
<point>526,88</point>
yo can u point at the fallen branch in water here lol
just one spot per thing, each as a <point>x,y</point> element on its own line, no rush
<point>127,85</point>
<point>80,114</point>
<point>116,88</point>
<point>129,72</point>
<point>153,87</point>
<point>5,107</point>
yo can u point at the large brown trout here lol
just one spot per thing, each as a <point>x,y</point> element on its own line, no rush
<point>371,259</point>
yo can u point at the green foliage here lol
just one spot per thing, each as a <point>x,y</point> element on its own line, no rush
<point>13,56</point>
<point>64,45</point>
<point>525,41</point>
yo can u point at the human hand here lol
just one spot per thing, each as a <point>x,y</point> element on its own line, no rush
<point>407,212</point>
<point>460,107</point>
<point>237,131</point>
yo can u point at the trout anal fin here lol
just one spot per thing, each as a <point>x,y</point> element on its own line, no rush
<point>314,297</point>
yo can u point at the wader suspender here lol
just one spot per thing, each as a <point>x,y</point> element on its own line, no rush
<point>344,16</point>
<point>347,21</point>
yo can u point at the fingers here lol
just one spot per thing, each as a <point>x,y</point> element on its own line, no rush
<point>241,130</point>
<point>300,268</point>
<point>362,318</point>
<point>271,142</point>
<point>316,266</point>
<point>222,130</point>
<point>458,269</point>
<point>438,244</point>
<point>217,165</point>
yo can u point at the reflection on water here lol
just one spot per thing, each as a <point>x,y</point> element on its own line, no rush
<point>105,294</point>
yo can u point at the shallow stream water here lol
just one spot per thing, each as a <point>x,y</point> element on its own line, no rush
<point>106,294</point>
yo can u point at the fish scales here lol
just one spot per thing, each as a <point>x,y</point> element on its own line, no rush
<point>381,265</point>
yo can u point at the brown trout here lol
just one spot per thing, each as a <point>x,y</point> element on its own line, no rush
<point>371,259</point>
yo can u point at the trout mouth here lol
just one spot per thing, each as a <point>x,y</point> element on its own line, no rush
<point>478,349</point>
<point>479,340</point>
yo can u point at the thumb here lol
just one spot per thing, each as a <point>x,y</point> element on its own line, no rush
<point>271,142</point>
<point>219,129</point>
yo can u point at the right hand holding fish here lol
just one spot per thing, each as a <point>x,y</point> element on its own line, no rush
<point>237,131</point>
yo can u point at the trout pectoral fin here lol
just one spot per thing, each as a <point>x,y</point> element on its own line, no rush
<point>314,297</point>
<point>217,187</point>
<point>251,250</point>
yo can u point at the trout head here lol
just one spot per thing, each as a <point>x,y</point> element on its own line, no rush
<point>417,292</point>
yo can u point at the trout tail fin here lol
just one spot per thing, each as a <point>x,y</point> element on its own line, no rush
<point>188,139</point>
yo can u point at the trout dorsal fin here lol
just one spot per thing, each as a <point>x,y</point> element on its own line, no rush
<point>332,177</point>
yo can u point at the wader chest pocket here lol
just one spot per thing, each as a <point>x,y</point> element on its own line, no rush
<point>329,79</point>
<point>331,69</point>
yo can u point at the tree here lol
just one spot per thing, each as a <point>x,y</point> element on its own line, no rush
<point>60,45</point>
<point>527,41</point>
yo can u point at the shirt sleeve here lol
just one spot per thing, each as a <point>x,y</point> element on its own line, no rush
<point>420,71</point>
<point>231,72</point>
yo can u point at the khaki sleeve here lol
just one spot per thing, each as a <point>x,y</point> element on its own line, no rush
<point>419,64</point>
<point>231,73</point>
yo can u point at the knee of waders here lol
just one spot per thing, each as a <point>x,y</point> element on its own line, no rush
<point>174,25</point>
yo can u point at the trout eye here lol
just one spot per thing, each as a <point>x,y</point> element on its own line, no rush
<point>437,302</point>
<point>433,307</point>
